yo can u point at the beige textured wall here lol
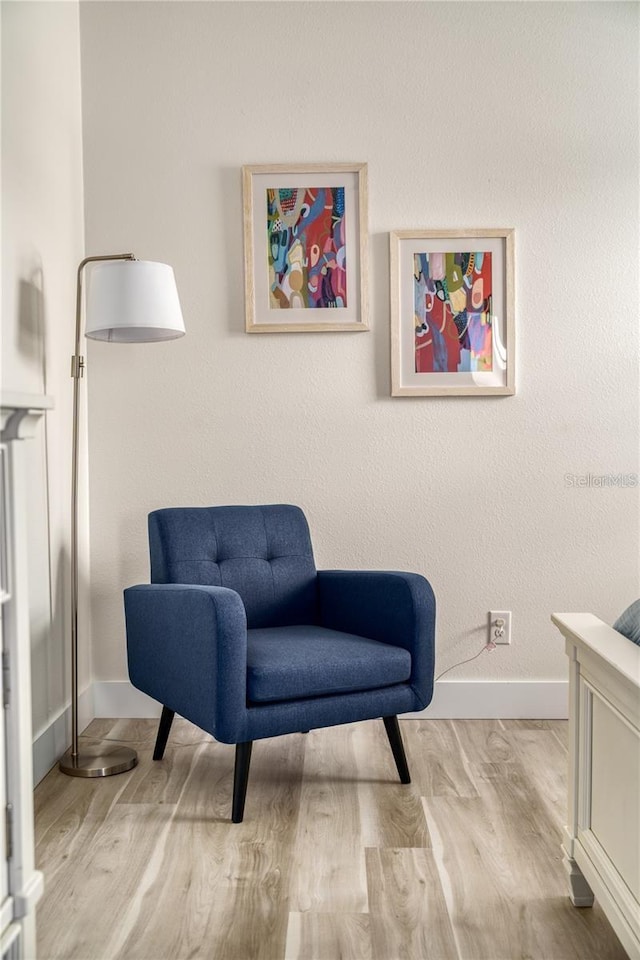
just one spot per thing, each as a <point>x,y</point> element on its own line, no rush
<point>469,115</point>
<point>42,243</point>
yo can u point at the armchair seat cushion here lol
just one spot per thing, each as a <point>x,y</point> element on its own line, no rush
<point>291,663</point>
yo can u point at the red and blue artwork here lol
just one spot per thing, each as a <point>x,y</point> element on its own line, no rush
<point>453,319</point>
<point>306,248</point>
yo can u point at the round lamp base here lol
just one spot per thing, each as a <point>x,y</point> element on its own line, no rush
<point>98,760</point>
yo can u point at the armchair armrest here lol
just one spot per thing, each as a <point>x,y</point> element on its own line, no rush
<point>187,648</point>
<point>393,607</point>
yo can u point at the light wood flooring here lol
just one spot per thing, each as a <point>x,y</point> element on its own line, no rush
<point>335,859</point>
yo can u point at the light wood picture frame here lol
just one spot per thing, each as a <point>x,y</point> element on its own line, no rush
<point>306,247</point>
<point>452,312</point>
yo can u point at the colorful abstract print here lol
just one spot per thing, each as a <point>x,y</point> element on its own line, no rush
<point>453,312</point>
<point>306,247</point>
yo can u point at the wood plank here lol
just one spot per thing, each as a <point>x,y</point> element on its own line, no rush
<point>526,724</point>
<point>173,905</point>
<point>557,929</point>
<point>109,870</point>
<point>99,728</point>
<point>561,730</point>
<point>520,815</point>
<point>251,912</point>
<point>328,872</point>
<point>477,879</point>
<point>68,812</point>
<point>321,936</point>
<point>145,731</point>
<point>500,865</point>
<point>218,870</point>
<point>229,903</point>
<point>484,741</point>
<point>439,768</point>
<point>409,916</point>
<point>160,781</point>
<point>546,767</point>
<point>273,795</point>
<point>391,813</point>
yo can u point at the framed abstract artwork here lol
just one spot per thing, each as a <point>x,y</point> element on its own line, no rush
<point>305,247</point>
<point>452,313</point>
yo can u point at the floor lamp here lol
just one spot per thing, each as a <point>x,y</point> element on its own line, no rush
<point>128,301</point>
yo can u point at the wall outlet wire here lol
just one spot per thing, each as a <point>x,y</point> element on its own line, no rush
<point>488,647</point>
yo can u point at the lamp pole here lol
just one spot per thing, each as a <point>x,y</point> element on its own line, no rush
<point>106,760</point>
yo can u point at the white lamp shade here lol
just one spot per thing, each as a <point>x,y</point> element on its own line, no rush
<point>131,301</point>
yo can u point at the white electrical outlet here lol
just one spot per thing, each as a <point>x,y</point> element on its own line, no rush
<point>500,626</point>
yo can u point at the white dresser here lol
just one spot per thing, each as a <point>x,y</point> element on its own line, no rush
<point>20,883</point>
<point>602,838</point>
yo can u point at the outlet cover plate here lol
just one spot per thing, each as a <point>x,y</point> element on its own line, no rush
<point>500,615</point>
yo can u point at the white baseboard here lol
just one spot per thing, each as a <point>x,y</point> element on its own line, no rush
<point>497,700</point>
<point>119,699</point>
<point>457,699</point>
<point>55,739</point>
<point>453,699</point>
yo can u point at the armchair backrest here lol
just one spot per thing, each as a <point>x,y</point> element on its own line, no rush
<point>264,553</point>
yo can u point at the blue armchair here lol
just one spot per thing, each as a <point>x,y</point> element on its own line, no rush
<point>239,633</point>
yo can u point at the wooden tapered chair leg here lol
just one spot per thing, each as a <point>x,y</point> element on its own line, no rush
<point>240,779</point>
<point>163,732</point>
<point>395,739</point>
